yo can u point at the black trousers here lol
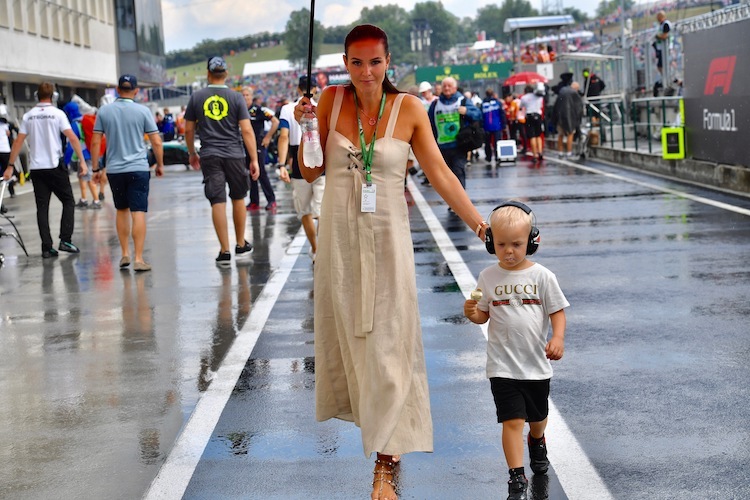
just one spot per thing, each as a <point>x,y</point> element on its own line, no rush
<point>490,143</point>
<point>263,180</point>
<point>456,161</point>
<point>46,182</point>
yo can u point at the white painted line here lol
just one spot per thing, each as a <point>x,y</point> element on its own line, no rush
<point>576,474</point>
<point>648,185</point>
<point>174,475</point>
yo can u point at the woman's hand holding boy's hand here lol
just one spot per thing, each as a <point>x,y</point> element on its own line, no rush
<point>555,348</point>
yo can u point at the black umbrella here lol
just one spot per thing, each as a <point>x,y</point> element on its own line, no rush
<point>308,94</point>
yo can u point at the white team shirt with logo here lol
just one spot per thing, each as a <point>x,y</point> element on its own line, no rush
<point>4,139</point>
<point>43,125</point>
<point>519,304</point>
<point>287,113</point>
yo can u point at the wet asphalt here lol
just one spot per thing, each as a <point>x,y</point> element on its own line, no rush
<point>102,368</point>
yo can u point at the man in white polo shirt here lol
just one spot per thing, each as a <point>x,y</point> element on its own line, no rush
<point>307,196</point>
<point>42,126</point>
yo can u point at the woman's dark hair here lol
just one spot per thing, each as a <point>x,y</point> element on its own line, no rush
<point>371,32</point>
<point>528,89</point>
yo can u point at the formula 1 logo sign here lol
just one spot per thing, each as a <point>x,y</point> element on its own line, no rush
<point>720,74</point>
<point>717,93</point>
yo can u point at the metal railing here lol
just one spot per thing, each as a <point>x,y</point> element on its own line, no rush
<point>634,126</point>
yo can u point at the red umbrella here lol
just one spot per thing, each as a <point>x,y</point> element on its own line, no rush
<point>524,78</point>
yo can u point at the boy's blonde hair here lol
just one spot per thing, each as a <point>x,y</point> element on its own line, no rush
<point>509,216</point>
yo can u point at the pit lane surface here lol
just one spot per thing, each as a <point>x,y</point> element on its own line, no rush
<point>102,369</point>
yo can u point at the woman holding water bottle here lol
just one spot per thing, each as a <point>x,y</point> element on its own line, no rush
<point>369,360</point>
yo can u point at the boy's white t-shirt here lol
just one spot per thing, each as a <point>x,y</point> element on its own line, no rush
<point>519,304</point>
<point>43,125</point>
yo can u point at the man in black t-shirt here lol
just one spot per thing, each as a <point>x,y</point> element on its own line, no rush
<point>220,115</point>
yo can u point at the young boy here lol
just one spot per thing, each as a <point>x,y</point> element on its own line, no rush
<point>521,299</point>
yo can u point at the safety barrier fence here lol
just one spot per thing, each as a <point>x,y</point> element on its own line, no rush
<point>635,125</point>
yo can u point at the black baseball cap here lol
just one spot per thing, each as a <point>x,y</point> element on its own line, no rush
<point>303,82</point>
<point>217,64</point>
<point>127,82</point>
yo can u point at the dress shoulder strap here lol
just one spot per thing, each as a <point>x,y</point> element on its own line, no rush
<point>337,100</point>
<point>394,115</point>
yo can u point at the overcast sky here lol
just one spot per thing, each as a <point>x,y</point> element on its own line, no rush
<point>187,22</point>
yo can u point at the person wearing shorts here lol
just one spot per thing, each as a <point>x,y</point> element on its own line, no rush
<point>307,196</point>
<point>532,105</point>
<point>125,122</point>
<point>84,180</point>
<point>221,116</point>
<point>521,300</point>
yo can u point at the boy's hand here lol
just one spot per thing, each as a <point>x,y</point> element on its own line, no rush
<point>555,348</point>
<point>470,308</point>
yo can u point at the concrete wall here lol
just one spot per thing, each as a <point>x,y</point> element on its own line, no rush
<point>731,177</point>
<point>30,57</point>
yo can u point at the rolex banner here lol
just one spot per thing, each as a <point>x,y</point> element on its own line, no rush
<point>717,93</point>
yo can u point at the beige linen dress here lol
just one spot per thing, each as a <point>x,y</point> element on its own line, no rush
<point>369,359</point>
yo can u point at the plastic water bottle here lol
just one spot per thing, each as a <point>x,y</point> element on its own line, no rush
<point>312,153</point>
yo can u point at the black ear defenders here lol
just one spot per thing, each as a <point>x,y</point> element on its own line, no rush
<point>534,239</point>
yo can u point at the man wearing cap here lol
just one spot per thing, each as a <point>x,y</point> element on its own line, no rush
<point>223,121</point>
<point>307,196</point>
<point>425,91</point>
<point>125,122</point>
<point>42,125</point>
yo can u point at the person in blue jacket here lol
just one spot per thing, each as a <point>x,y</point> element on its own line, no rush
<point>86,180</point>
<point>494,124</point>
<point>446,114</point>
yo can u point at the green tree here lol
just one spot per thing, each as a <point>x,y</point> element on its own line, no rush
<point>337,34</point>
<point>467,30</point>
<point>296,38</point>
<point>578,15</point>
<point>607,7</point>
<point>443,24</point>
<point>396,22</point>
<point>490,20</point>
<point>516,8</point>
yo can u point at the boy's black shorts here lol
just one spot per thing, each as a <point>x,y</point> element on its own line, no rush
<point>526,399</point>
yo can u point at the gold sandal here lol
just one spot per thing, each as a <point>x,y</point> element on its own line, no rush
<point>384,468</point>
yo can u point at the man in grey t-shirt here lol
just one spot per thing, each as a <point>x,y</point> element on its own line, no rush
<point>125,122</point>
<point>221,118</point>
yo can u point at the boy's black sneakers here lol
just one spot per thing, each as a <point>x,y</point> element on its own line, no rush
<point>66,246</point>
<point>518,487</point>
<point>224,259</point>
<point>48,254</point>
<point>244,250</point>
<point>538,454</point>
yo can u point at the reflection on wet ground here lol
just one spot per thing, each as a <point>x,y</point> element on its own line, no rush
<point>102,367</point>
<point>269,423</point>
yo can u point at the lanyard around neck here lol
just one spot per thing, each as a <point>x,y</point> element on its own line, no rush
<point>367,153</point>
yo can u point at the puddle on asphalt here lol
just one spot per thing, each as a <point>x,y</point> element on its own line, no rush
<point>447,288</point>
<point>458,319</point>
<point>237,442</point>
<point>277,374</point>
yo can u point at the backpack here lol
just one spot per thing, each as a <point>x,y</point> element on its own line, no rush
<point>470,136</point>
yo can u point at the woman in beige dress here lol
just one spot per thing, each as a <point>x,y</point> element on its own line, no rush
<point>369,360</point>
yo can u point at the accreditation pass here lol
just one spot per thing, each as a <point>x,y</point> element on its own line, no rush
<point>368,198</point>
